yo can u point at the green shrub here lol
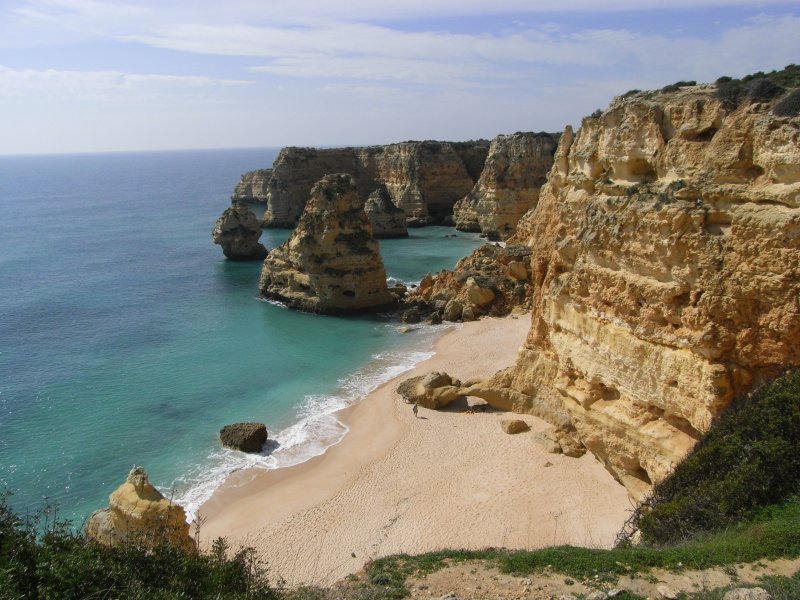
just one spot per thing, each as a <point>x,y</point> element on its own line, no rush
<point>762,89</point>
<point>674,87</point>
<point>61,564</point>
<point>789,106</point>
<point>749,460</point>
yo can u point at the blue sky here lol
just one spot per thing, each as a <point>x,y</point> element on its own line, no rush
<point>116,75</point>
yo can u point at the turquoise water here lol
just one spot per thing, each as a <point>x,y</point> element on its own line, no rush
<point>126,338</point>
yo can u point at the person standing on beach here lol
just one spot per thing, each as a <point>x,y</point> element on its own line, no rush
<point>415,410</point>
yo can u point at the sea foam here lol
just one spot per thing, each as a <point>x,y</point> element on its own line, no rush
<point>316,429</point>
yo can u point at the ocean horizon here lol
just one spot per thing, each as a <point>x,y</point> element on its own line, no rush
<point>127,338</point>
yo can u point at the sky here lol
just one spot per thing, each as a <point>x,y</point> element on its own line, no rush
<point>131,75</point>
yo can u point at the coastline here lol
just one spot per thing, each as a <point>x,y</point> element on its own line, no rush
<point>399,484</point>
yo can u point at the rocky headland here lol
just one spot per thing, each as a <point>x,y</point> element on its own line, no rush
<point>515,169</point>
<point>237,230</point>
<point>331,263</point>
<point>665,274</point>
<point>424,179</point>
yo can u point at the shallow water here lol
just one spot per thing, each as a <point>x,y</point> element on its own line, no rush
<point>126,338</point>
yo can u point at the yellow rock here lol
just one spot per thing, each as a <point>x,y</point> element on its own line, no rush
<point>138,513</point>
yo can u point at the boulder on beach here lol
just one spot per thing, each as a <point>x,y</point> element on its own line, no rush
<point>247,437</point>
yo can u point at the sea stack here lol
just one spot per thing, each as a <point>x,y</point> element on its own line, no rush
<point>387,220</point>
<point>138,513</point>
<point>331,263</point>
<point>237,230</point>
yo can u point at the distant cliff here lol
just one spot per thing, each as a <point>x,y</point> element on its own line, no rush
<point>424,179</point>
<point>252,187</point>
<point>516,168</point>
<point>665,271</point>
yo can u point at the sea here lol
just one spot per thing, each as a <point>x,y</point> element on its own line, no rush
<point>126,338</point>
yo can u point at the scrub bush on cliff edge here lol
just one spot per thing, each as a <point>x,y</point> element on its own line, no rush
<point>750,459</point>
<point>61,564</point>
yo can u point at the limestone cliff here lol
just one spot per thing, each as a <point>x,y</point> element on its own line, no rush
<point>666,270</point>
<point>138,513</point>
<point>423,178</point>
<point>515,170</point>
<point>237,230</point>
<point>252,186</point>
<point>387,220</point>
<point>331,263</point>
<point>665,276</point>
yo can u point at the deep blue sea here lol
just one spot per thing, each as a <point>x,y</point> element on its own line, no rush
<point>127,338</point>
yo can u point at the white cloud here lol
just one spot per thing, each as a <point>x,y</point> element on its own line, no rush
<point>64,85</point>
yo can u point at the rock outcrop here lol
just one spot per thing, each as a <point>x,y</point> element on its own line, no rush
<point>252,187</point>
<point>331,263</point>
<point>387,220</point>
<point>423,178</point>
<point>665,277</point>
<point>138,513</point>
<point>515,169</point>
<point>666,274</point>
<point>492,280</point>
<point>237,230</point>
<point>246,437</point>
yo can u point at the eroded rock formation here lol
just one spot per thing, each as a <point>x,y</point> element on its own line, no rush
<point>252,186</point>
<point>237,230</point>
<point>423,178</point>
<point>665,267</point>
<point>387,220</point>
<point>331,263</point>
<point>516,168</point>
<point>491,281</point>
<point>138,513</point>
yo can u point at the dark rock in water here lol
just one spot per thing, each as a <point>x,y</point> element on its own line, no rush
<point>435,318</point>
<point>237,231</point>
<point>411,315</point>
<point>247,437</point>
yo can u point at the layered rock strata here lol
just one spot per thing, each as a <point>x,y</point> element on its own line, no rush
<point>665,266</point>
<point>237,230</point>
<point>138,513</point>
<point>331,263</point>
<point>423,178</point>
<point>252,187</point>
<point>515,170</point>
<point>387,220</point>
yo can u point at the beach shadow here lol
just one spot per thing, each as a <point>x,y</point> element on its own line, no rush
<point>468,404</point>
<point>269,447</point>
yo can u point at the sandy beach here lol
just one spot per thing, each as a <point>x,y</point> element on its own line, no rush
<point>396,483</point>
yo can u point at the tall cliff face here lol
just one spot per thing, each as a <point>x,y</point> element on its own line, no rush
<point>296,170</point>
<point>516,168</point>
<point>423,178</point>
<point>666,275</point>
<point>331,263</point>
<point>252,187</point>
